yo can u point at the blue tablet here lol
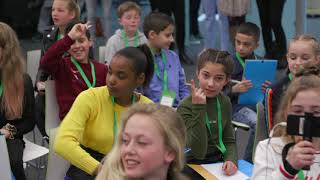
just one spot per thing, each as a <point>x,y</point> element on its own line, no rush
<point>258,71</point>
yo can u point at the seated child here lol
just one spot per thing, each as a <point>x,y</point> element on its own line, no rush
<point>150,145</point>
<point>207,113</point>
<point>129,18</point>
<point>75,73</point>
<point>168,85</point>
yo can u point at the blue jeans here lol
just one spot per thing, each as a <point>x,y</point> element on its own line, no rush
<point>215,28</point>
<point>249,117</point>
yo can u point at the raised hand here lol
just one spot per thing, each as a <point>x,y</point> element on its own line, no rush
<point>301,155</point>
<point>198,96</point>
<point>241,87</point>
<point>78,30</point>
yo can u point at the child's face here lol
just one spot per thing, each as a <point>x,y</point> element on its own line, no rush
<point>130,20</point>
<point>80,49</point>
<point>163,39</point>
<point>300,53</point>
<point>121,78</point>
<point>306,101</point>
<point>61,15</point>
<point>143,152</point>
<point>245,44</point>
<point>212,79</point>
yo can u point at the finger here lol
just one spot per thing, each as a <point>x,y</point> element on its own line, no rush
<point>192,86</point>
<point>304,143</point>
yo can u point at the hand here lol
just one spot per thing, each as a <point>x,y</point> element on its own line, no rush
<point>77,31</point>
<point>41,85</point>
<point>265,85</point>
<point>301,155</point>
<point>241,87</point>
<point>198,96</point>
<point>5,132</point>
<point>229,168</point>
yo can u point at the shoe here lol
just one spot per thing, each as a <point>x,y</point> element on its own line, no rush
<point>185,59</point>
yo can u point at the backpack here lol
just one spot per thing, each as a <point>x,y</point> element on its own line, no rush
<point>234,7</point>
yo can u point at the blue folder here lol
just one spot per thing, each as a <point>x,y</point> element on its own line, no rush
<point>258,71</point>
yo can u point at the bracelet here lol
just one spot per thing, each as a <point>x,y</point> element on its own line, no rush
<point>12,130</point>
<point>286,165</point>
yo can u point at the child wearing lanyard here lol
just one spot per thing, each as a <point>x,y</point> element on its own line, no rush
<point>246,41</point>
<point>76,73</point>
<point>207,114</point>
<point>89,130</point>
<point>63,12</point>
<point>129,18</point>
<point>168,85</point>
<point>302,50</point>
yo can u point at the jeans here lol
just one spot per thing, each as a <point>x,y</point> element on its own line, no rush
<point>249,117</point>
<point>212,25</point>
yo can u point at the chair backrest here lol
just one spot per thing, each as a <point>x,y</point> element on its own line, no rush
<point>57,166</point>
<point>102,50</point>
<point>33,59</point>
<point>33,151</point>
<point>261,127</point>
<point>52,119</point>
<point>5,170</point>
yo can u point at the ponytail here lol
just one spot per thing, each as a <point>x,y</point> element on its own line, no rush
<point>150,63</point>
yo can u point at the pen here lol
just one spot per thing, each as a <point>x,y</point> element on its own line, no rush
<point>235,81</point>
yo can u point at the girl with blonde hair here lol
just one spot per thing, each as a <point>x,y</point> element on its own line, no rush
<point>150,145</point>
<point>284,156</point>
<point>16,98</point>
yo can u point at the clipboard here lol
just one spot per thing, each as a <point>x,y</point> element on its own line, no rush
<point>258,71</point>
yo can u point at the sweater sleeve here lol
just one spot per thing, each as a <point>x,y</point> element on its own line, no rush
<point>183,88</point>
<point>53,57</point>
<point>229,139</point>
<point>197,137</point>
<point>27,122</point>
<point>70,133</point>
<point>264,165</point>
<point>110,50</point>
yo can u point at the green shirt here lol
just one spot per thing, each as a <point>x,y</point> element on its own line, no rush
<point>198,137</point>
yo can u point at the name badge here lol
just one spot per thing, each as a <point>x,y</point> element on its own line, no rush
<point>168,98</point>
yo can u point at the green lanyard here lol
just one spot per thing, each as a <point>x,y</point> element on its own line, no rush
<point>165,73</point>
<point>290,76</point>
<point>300,175</point>
<point>221,146</point>
<point>125,39</point>
<point>241,61</point>
<point>59,36</point>
<point>115,129</point>
<point>1,89</point>
<point>83,75</point>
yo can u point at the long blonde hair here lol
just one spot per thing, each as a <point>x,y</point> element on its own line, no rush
<point>307,79</point>
<point>12,67</point>
<point>170,125</point>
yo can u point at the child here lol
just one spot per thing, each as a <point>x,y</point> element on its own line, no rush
<point>246,41</point>
<point>207,113</point>
<point>87,133</point>
<point>129,18</point>
<point>168,83</point>
<point>303,49</point>
<point>146,131</point>
<point>63,12</point>
<point>76,73</point>
<point>283,156</point>
<point>17,99</point>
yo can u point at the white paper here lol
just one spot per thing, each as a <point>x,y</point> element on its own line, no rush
<point>167,101</point>
<point>216,170</point>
